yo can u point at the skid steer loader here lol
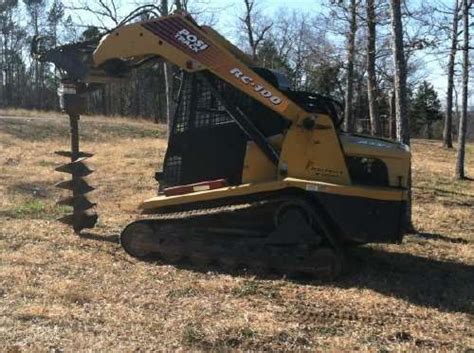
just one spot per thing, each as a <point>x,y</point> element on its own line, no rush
<point>255,173</point>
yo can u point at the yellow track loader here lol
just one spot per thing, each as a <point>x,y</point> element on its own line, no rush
<point>255,173</point>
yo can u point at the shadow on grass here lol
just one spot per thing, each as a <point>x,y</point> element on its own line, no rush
<point>47,129</point>
<point>435,236</point>
<point>446,286</point>
<point>39,189</point>
<point>113,238</point>
<point>442,192</point>
<point>35,130</point>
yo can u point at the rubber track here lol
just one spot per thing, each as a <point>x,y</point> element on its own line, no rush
<point>188,236</point>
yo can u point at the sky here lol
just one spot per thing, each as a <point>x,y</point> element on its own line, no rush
<point>226,12</point>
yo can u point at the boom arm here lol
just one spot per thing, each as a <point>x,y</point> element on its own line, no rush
<point>178,40</point>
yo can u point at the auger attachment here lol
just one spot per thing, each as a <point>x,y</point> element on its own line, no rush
<point>84,216</point>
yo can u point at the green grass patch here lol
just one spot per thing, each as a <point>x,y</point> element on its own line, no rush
<point>36,209</point>
<point>48,164</point>
<point>32,208</point>
<point>247,333</point>
<point>185,292</point>
<point>192,334</point>
<point>251,287</point>
<point>96,132</point>
<point>247,288</point>
<point>327,331</point>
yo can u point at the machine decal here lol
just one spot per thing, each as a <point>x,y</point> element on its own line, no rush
<point>325,173</point>
<point>191,41</point>
<point>257,87</point>
<point>311,187</point>
<point>181,34</point>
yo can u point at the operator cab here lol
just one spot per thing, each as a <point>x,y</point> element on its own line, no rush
<point>276,78</point>
<point>309,101</point>
<point>207,144</point>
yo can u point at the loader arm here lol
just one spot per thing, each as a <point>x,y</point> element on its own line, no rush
<point>178,40</point>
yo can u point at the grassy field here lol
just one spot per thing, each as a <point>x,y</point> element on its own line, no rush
<point>61,292</point>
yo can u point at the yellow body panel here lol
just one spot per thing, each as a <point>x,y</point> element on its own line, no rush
<point>395,157</point>
<point>314,154</point>
<point>257,167</point>
<point>376,193</point>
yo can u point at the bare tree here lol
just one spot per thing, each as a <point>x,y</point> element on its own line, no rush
<point>255,26</point>
<point>106,12</point>
<point>392,116</point>
<point>460,173</point>
<point>400,77</point>
<point>167,69</point>
<point>375,127</point>
<point>12,39</point>
<point>448,122</point>
<point>36,10</point>
<point>400,87</point>
<point>351,35</point>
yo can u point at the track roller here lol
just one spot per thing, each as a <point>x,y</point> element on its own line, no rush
<point>138,240</point>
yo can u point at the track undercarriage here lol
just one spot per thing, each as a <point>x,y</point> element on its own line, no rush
<point>281,235</point>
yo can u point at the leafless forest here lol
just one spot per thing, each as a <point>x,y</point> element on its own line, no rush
<point>359,52</point>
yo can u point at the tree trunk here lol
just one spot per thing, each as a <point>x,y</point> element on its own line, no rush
<point>448,121</point>
<point>393,118</point>
<point>103,99</point>
<point>348,109</point>
<point>358,111</point>
<point>400,79</point>
<point>429,130</point>
<point>2,63</point>
<point>249,26</point>
<point>465,80</point>
<point>38,93</point>
<point>138,93</point>
<point>168,94</point>
<point>401,109</point>
<point>457,114</point>
<point>167,70</point>
<point>375,127</point>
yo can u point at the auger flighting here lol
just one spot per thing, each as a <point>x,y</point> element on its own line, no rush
<point>73,103</point>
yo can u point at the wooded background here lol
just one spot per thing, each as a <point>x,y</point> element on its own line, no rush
<point>371,55</point>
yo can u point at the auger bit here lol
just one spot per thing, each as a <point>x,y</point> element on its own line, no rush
<point>73,103</point>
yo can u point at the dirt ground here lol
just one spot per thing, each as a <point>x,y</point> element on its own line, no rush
<point>61,292</point>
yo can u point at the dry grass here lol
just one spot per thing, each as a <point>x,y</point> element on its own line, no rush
<point>63,292</point>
